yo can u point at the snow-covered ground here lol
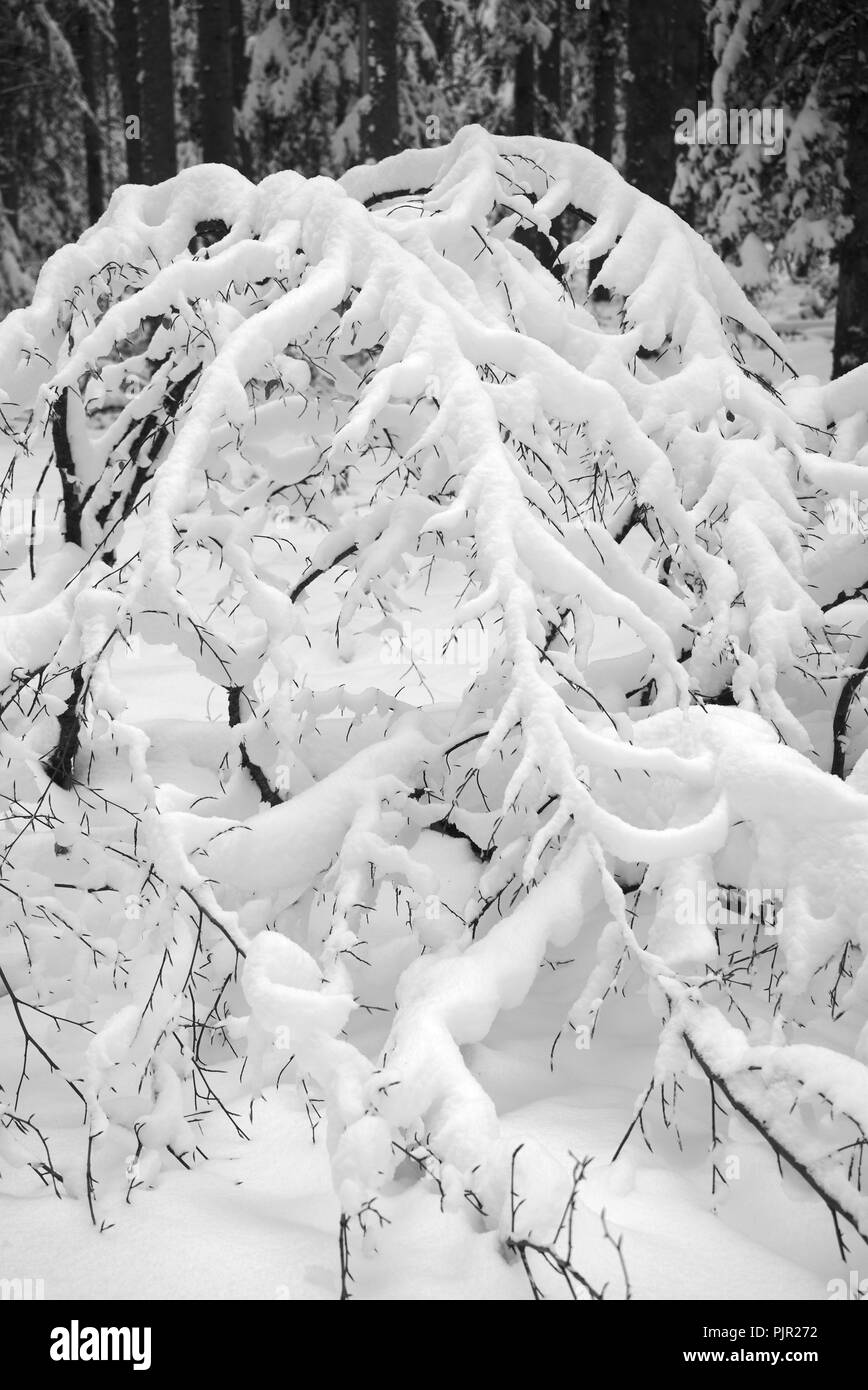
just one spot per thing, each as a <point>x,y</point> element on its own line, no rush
<point>259,1219</point>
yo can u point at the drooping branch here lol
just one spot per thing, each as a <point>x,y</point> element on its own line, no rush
<point>60,763</point>
<point>31,1041</point>
<point>45,1170</point>
<point>66,468</point>
<point>263,786</point>
<point>313,574</point>
<point>778,1145</point>
<point>841,717</point>
<point>558,1253</point>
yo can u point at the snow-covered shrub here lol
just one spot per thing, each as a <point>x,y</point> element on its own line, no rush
<point>366,408</point>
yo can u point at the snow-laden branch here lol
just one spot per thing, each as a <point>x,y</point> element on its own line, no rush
<point>356,404</point>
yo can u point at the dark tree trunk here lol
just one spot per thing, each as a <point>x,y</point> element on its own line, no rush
<point>105,66</point>
<point>605,41</point>
<point>239,55</point>
<point>127,43</point>
<point>378,57</point>
<point>549,118</point>
<point>84,39</point>
<point>159,157</point>
<point>688,63</point>
<point>651,146</point>
<point>10,198</point>
<point>524,107</point>
<point>851,321</point>
<point>240,72</point>
<point>216,90</point>
<point>13,134</point>
<point>688,51</point>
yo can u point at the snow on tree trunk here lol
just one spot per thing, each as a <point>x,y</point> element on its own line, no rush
<point>454,566</point>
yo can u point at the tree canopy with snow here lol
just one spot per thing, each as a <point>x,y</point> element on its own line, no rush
<point>521,663</point>
<point>802,202</point>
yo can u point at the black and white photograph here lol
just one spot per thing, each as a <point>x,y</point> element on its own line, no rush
<point>433,640</point>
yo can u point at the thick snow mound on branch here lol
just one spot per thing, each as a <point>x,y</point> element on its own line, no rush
<point>283,985</point>
<point>290,846</point>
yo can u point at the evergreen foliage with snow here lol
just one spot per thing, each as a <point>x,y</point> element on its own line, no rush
<point>790,200</point>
